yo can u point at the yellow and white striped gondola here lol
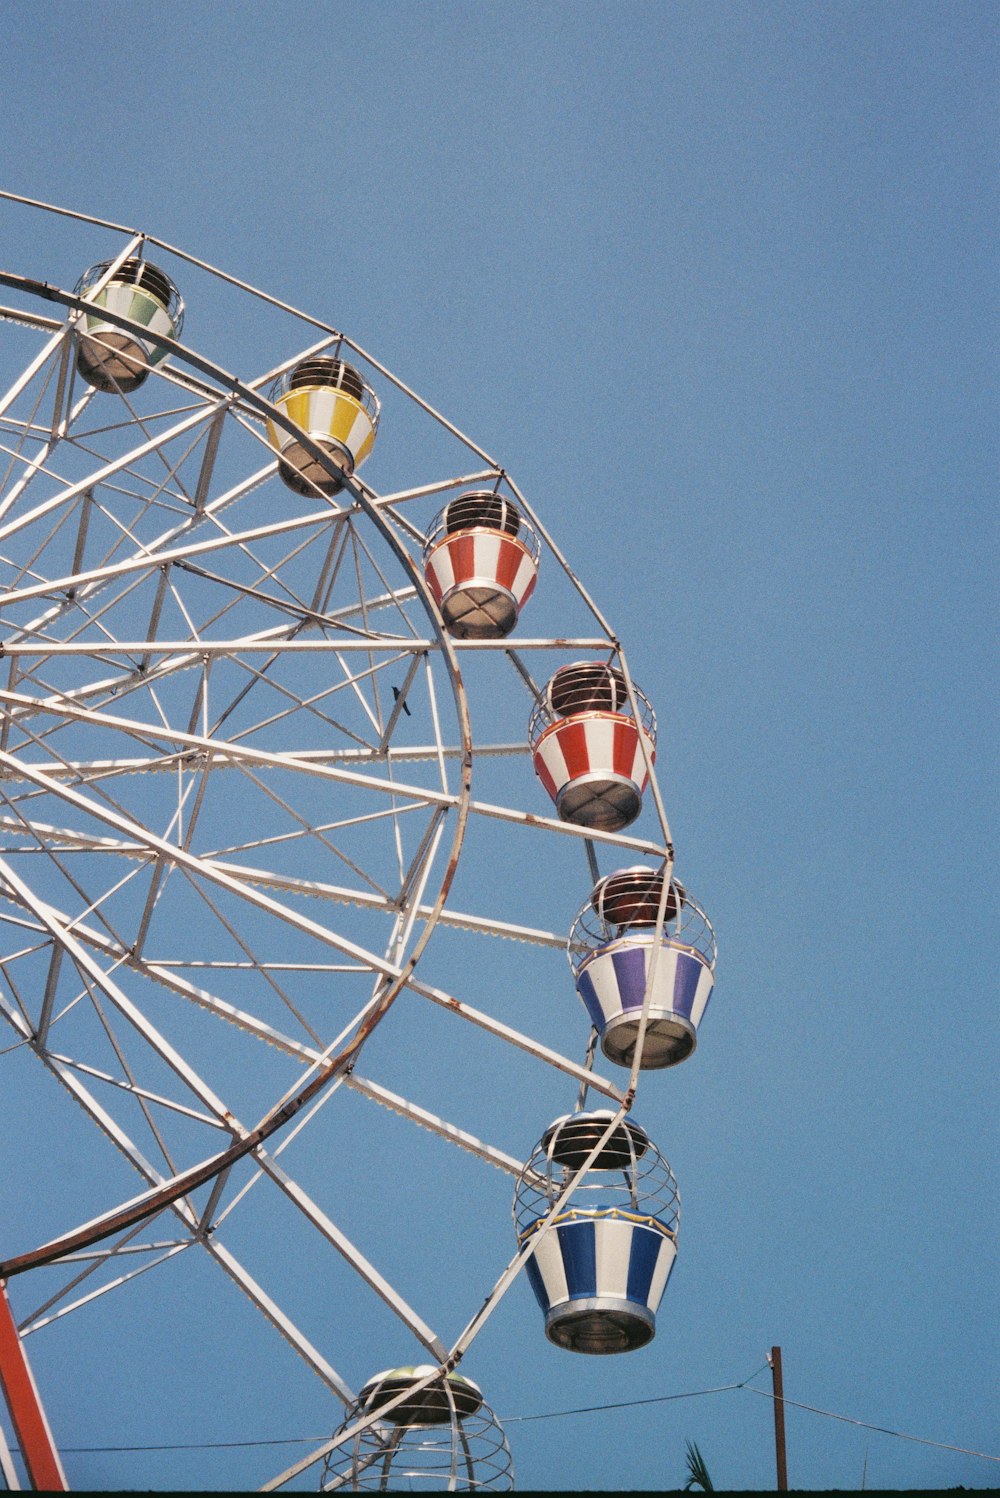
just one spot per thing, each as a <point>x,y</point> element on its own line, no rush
<point>330,402</point>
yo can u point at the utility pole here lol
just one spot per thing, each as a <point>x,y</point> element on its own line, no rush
<point>779,1418</point>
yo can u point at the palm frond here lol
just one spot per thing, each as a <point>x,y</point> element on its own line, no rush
<point>697,1471</point>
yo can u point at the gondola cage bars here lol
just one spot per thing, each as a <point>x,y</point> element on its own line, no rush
<point>443,1437</point>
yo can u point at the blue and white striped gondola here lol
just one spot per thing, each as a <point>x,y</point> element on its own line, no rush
<point>615,955</point>
<point>601,1265</point>
<point>599,1276</point>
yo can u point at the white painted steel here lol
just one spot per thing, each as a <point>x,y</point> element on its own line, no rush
<point>200,816</point>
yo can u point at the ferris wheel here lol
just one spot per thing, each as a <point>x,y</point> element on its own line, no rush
<point>293,805</point>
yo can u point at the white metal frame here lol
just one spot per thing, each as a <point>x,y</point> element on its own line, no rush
<point>156,484</point>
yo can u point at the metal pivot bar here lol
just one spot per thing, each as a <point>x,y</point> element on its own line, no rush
<point>779,1419</point>
<point>30,1425</point>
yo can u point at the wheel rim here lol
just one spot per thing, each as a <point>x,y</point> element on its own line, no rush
<point>163,641</point>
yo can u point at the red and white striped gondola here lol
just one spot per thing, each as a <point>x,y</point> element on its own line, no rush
<point>590,751</point>
<point>481,564</point>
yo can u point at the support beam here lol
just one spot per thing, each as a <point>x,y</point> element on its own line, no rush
<point>30,1425</point>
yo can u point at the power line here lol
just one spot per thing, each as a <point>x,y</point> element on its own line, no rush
<point>507,1420</point>
<point>593,1409</point>
<point>882,1429</point>
<point>590,1409</point>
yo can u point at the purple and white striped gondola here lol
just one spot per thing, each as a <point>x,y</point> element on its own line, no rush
<point>615,957</point>
<point>601,1265</point>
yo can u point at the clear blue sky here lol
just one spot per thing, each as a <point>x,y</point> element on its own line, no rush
<point>717,283</point>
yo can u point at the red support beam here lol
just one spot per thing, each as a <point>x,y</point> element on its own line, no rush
<point>30,1425</point>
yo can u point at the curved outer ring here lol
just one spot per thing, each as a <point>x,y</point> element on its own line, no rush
<point>152,1202</point>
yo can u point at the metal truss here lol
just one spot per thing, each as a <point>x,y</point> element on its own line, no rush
<point>239,845</point>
